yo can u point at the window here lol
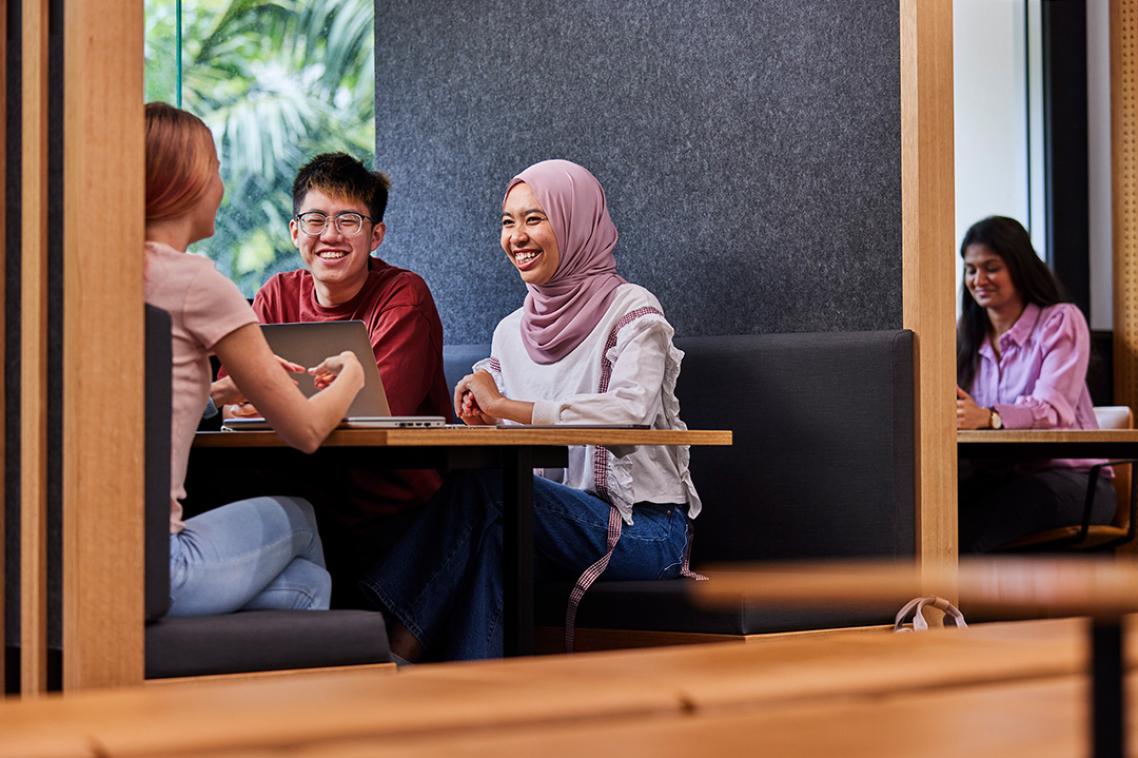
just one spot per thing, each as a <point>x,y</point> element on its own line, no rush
<point>277,83</point>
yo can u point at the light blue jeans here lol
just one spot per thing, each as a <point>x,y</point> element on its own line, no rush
<point>261,553</point>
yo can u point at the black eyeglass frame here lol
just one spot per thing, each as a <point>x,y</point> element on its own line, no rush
<point>299,218</point>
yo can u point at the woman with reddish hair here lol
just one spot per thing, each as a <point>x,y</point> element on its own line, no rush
<point>263,552</point>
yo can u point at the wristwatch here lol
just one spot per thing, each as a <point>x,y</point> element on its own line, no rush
<point>995,421</point>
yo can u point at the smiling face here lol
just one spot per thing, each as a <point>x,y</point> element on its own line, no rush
<point>527,236</point>
<point>338,262</point>
<point>989,280</point>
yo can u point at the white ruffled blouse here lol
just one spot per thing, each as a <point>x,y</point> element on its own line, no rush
<point>624,372</point>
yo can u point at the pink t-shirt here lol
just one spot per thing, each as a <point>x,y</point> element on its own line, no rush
<point>1040,379</point>
<point>204,306</point>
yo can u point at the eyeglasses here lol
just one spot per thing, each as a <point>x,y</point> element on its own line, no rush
<point>348,223</point>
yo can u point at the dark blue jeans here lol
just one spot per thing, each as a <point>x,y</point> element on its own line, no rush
<point>443,581</point>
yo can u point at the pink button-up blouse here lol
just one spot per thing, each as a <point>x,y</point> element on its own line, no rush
<point>1040,379</point>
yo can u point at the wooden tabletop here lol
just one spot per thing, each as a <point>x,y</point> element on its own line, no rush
<point>1044,436</point>
<point>451,436</point>
<point>1091,587</point>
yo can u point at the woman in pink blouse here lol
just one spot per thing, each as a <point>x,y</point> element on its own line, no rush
<point>1021,363</point>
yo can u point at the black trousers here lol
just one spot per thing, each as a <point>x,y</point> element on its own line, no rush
<point>999,504</point>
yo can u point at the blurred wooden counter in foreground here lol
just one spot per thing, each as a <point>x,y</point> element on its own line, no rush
<point>573,696</point>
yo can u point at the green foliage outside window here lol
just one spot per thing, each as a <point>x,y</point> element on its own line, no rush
<point>277,83</point>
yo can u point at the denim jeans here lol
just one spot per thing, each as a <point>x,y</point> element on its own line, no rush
<point>443,581</point>
<point>260,553</point>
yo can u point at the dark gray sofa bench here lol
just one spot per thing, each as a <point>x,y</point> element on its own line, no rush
<point>821,467</point>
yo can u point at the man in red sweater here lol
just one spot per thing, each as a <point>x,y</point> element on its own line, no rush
<point>337,224</point>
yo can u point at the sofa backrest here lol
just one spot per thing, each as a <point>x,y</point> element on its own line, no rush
<point>158,404</point>
<point>823,457</point>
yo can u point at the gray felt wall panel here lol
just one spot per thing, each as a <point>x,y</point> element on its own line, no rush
<point>750,150</point>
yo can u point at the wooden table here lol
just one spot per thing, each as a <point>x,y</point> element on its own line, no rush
<point>1117,445</point>
<point>515,451</point>
<point>1047,443</point>
<point>1104,589</point>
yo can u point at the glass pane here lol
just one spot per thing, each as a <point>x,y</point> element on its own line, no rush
<point>161,71</point>
<point>277,83</point>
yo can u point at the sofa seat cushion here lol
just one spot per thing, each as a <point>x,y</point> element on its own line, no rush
<point>263,641</point>
<point>667,606</point>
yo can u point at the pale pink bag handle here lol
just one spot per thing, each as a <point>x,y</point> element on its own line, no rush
<point>917,604</point>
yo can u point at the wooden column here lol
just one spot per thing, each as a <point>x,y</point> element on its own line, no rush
<point>927,248</point>
<point>1124,183</point>
<point>102,218</point>
<point>33,346</point>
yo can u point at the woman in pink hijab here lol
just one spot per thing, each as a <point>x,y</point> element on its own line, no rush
<point>585,348</point>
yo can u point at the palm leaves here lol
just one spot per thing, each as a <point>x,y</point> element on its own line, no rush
<point>277,82</point>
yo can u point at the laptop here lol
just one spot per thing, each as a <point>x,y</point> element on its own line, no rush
<point>309,344</point>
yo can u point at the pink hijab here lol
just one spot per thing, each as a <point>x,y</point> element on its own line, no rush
<point>559,314</point>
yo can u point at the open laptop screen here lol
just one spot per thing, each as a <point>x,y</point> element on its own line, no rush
<point>310,343</point>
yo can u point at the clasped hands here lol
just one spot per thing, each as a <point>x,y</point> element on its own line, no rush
<point>476,397</point>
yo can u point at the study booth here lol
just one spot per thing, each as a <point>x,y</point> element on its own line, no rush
<point>748,275</point>
<point>799,249</point>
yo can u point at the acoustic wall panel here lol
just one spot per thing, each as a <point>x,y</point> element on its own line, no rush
<point>750,150</point>
<point>1124,153</point>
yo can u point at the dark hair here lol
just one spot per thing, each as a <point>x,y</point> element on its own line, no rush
<point>1031,277</point>
<point>342,175</point>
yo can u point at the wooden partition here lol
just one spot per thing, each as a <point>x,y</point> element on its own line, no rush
<point>76,430</point>
<point>928,277</point>
<point>34,204</point>
<point>1124,161</point>
<point>103,215</point>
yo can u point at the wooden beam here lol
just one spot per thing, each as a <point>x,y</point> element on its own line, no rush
<point>927,244</point>
<point>1124,185</point>
<point>102,215</point>
<point>33,347</point>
